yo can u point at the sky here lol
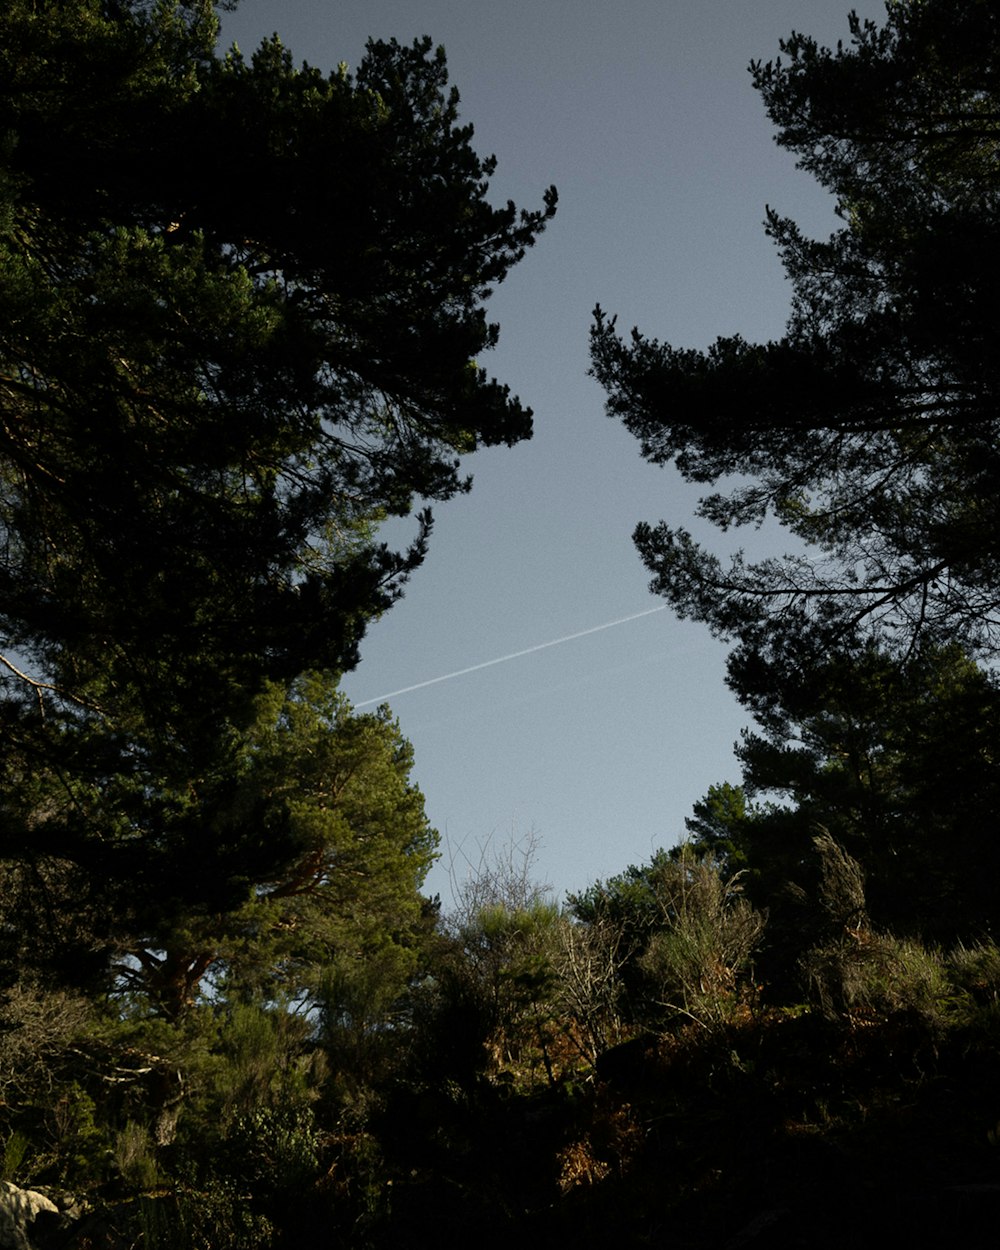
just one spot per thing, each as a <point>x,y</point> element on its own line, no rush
<point>588,745</point>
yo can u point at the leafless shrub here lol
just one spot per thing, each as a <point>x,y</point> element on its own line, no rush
<point>501,875</point>
<point>37,1029</point>
<point>589,963</point>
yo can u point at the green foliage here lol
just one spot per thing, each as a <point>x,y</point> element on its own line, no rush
<point>333,787</point>
<point>977,970</point>
<point>264,1061</point>
<point>896,761</point>
<point>215,365</point>
<point>489,1004</point>
<point>16,1148</point>
<point>274,1150</point>
<point>622,914</point>
<point>511,955</point>
<point>696,964</point>
<point>861,971</point>
<point>134,1157</point>
<point>364,1009</point>
<point>868,431</point>
<point>877,974</point>
<point>212,393</point>
<point>76,1138</point>
<point>211,397</point>
<point>632,899</point>
<point>317,843</point>
<point>685,937</point>
<point>717,826</point>
<point>362,1192</point>
<point>214,1218</point>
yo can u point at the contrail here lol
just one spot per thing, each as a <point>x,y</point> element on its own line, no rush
<point>514,655</point>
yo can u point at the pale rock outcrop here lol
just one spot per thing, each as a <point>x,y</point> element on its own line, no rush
<point>18,1209</point>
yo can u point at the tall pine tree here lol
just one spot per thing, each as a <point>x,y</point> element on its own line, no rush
<point>241,303</point>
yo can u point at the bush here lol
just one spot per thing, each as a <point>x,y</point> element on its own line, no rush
<point>590,988</point>
<point>511,956</point>
<point>216,1217</point>
<point>135,1157</point>
<point>860,970</point>
<point>976,969</point>
<point>275,1149</point>
<point>697,961</point>
<point>879,974</point>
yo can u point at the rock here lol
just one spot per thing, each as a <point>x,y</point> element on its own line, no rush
<point>19,1208</point>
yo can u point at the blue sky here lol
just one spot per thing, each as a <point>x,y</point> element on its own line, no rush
<point>643,115</point>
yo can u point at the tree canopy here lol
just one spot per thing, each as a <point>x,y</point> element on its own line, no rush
<point>241,308</point>
<point>895,762</point>
<point>242,304</point>
<point>869,429</point>
<point>868,434</point>
<point>330,790</point>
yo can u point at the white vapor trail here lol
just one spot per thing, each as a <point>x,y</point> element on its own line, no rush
<point>514,655</point>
